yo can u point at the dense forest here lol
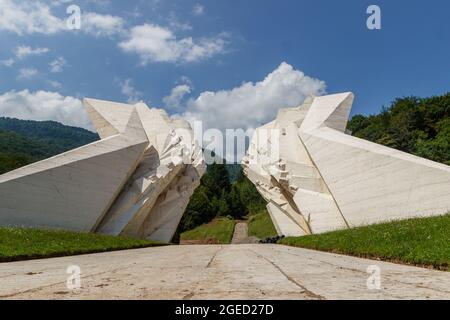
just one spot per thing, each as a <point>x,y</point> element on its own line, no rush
<point>420,126</point>
<point>23,142</point>
<point>219,196</point>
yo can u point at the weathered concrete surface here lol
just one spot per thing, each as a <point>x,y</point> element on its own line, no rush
<point>219,272</point>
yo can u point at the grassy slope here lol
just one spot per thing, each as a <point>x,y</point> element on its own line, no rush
<point>424,241</point>
<point>22,244</point>
<point>260,225</point>
<point>218,231</point>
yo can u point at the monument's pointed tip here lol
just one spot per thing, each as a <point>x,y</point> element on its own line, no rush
<point>90,100</point>
<point>349,94</point>
<point>87,102</point>
<point>330,110</point>
<point>108,118</point>
<point>97,102</point>
<point>339,96</point>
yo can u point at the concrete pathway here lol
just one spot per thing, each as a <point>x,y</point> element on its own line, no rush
<point>240,233</point>
<point>219,272</point>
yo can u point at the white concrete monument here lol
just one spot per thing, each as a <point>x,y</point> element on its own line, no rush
<point>136,181</point>
<point>316,178</point>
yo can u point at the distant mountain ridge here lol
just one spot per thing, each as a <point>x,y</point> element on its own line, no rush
<point>50,132</point>
<point>26,141</point>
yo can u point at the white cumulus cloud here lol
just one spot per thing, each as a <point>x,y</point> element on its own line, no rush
<point>128,90</point>
<point>27,73</point>
<point>57,65</point>
<point>154,43</point>
<point>174,100</point>
<point>55,84</point>
<point>44,105</point>
<point>22,52</point>
<point>31,16</point>
<point>28,17</point>
<point>101,24</point>
<point>253,104</point>
<point>8,62</point>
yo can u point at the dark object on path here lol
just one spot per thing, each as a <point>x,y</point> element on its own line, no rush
<point>272,239</point>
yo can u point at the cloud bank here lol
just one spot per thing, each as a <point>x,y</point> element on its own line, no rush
<point>44,105</point>
<point>174,100</point>
<point>35,17</point>
<point>151,42</point>
<point>22,52</point>
<point>154,43</point>
<point>252,104</point>
<point>28,17</point>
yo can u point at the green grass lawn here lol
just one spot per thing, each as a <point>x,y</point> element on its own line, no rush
<point>423,241</point>
<point>218,231</point>
<point>23,244</point>
<point>260,225</point>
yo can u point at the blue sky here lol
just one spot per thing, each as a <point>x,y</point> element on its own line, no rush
<point>198,57</point>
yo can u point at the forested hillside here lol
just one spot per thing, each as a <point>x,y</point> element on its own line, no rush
<point>420,126</point>
<point>57,136</point>
<point>23,142</point>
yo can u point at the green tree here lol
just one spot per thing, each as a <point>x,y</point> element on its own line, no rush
<point>250,197</point>
<point>209,200</point>
<point>198,211</point>
<point>216,180</point>
<point>414,125</point>
<point>237,208</point>
<point>220,206</point>
<point>437,149</point>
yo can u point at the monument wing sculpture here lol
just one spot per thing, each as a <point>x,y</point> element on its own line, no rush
<point>317,178</point>
<point>136,181</point>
